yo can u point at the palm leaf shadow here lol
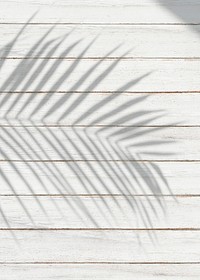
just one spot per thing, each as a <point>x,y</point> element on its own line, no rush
<point>96,150</point>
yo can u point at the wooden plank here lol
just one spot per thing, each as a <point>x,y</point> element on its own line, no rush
<point>100,109</point>
<point>148,11</point>
<point>98,246</point>
<point>95,154</point>
<point>100,178</point>
<point>97,75</point>
<point>94,143</point>
<point>99,212</point>
<point>141,41</point>
<point>109,271</point>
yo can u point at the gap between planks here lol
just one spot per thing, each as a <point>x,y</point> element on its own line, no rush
<point>65,125</point>
<point>91,160</point>
<point>104,92</point>
<point>101,24</point>
<point>98,263</point>
<point>98,229</point>
<point>102,195</point>
<point>102,57</point>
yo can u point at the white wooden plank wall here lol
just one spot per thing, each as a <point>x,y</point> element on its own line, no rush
<point>99,139</point>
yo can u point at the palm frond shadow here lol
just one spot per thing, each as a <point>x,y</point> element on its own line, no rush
<point>54,143</point>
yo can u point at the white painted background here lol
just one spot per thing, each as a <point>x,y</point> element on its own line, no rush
<point>99,139</point>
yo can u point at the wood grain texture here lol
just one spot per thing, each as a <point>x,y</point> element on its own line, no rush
<point>111,143</point>
<point>141,41</point>
<point>83,178</point>
<point>98,246</point>
<point>99,212</point>
<point>125,109</point>
<point>99,139</point>
<point>117,272</point>
<point>104,12</point>
<point>116,76</point>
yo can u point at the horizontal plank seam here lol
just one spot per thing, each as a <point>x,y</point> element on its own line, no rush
<point>99,263</point>
<point>74,126</point>
<point>104,58</point>
<point>60,160</point>
<point>103,23</point>
<point>105,92</point>
<point>98,229</point>
<point>103,195</point>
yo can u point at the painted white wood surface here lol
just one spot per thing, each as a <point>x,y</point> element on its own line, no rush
<point>99,271</point>
<point>141,41</point>
<point>100,246</point>
<point>94,143</point>
<point>142,70</point>
<point>100,212</point>
<point>151,11</point>
<point>100,75</point>
<point>128,109</point>
<point>73,178</point>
